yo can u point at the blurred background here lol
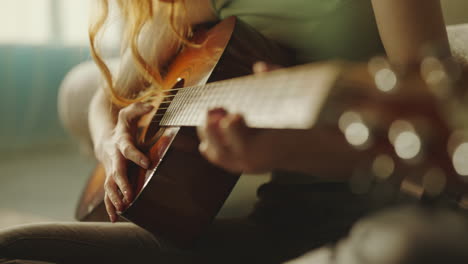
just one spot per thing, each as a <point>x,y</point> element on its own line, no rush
<point>42,171</point>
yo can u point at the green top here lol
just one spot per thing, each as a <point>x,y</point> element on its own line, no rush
<point>314,29</point>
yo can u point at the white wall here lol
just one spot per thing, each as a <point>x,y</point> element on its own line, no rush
<point>455,11</point>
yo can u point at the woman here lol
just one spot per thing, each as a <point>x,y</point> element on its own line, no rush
<point>404,39</point>
<point>285,223</point>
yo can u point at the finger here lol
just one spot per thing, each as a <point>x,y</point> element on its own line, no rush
<point>236,133</point>
<point>261,67</point>
<point>222,159</point>
<point>212,131</point>
<point>110,209</point>
<point>112,192</point>
<point>121,180</point>
<point>201,132</point>
<point>133,111</point>
<point>130,152</point>
<point>215,148</point>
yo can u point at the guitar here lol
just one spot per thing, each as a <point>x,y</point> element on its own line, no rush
<point>181,193</point>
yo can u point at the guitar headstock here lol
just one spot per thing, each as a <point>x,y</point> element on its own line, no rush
<point>412,126</point>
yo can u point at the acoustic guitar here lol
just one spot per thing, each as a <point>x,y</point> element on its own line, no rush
<point>179,196</point>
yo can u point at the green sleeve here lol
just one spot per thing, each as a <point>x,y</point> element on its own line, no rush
<point>217,5</point>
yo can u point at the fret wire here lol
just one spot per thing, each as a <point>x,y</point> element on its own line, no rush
<point>214,97</point>
<point>230,82</point>
<point>202,93</point>
<point>182,105</point>
<point>176,104</point>
<point>210,87</point>
<point>184,98</point>
<point>225,95</point>
<point>223,83</point>
<point>202,108</point>
<point>260,114</point>
<point>190,99</point>
<point>171,103</point>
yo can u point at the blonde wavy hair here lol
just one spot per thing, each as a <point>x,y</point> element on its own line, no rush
<point>136,15</point>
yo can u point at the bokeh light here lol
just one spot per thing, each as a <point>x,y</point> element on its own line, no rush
<point>460,159</point>
<point>385,80</point>
<point>405,140</point>
<point>434,181</point>
<point>347,118</point>
<point>407,145</point>
<point>398,127</point>
<point>434,74</point>
<point>383,166</point>
<point>356,132</point>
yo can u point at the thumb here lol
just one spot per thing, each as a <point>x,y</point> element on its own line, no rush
<point>134,111</point>
<point>261,67</point>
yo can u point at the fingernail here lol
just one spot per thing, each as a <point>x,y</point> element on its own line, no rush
<point>144,163</point>
<point>216,111</point>
<point>127,199</point>
<point>148,106</point>
<point>260,67</point>
<point>203,146</point>
<point>224,123</point>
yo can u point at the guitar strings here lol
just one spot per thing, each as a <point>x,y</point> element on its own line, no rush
<point>210,85</point>
<point>221,90</point>
<point>224,83</point>
<point>214,97</point>
<point>224,92</point>
<point>195,89</point>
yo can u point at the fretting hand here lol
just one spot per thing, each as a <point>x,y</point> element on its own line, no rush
<point>226,141</point>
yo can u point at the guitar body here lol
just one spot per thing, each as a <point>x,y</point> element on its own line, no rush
<point>180,195</point>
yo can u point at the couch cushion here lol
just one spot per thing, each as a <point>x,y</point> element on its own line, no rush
<point>458,37</point>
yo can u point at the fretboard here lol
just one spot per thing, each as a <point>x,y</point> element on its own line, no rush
<point>286,98</point>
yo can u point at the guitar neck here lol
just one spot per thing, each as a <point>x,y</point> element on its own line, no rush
<point>287,98</point>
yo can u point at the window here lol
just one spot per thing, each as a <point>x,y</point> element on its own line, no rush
<point>41,22</point>
<point>25,21</point>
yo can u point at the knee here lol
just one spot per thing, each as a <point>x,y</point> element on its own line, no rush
<point>25,243</point>
<point>407,235</point>
<point>8,238</point>
<point>75,94</point>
